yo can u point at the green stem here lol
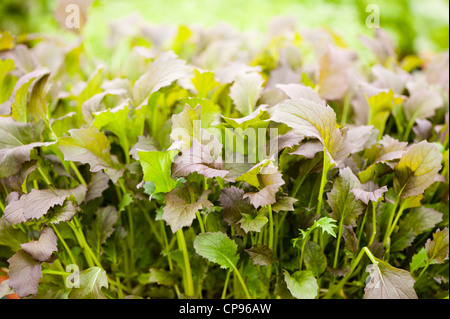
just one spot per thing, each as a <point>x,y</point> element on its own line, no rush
<point>361,227</point>
<point>346,107</point>
<point>408,129</point>
<point>225,286</point>
<point>241,280</point>
<point>391,217</point>
<point>67,249</point>
<point>269,268</point>
<point>200,221</point>
<point>78,174</point>
<point>323,181</point>
<point>189,287</point>
<point>423,270</point>
<point>355,263</point>
<point>47,181</point>
<point>336,253</point>
<point>374,223</point>
<point>391,224</point>
<point>301,253</point>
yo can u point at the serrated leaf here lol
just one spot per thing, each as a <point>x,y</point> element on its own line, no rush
<point>269,180</point>
<point>118,121</point>
<point>162,72</point>
<point>181,205</point>
<point>252,222</point>
<point>37,203</point>
<point>314,258</point>
<point>204,82</point>
<point>144,143</point>
<point>42,249</point>
<point>156,166</point>
<point>342,201</point>
<point>313,120</point>
<point>24,274</point>
<point>217,248</point>
<point>260,254</point>
<point>301,284</point>
<point>198,159</point>
<point>98,183</point>
<point>20,99</point>
<point>369,192</point>
<point>16,142</point>
<point>94,103</point>
<point>102,227</point>
<point>91,282</point>
<point>285,204</point>
<point>437,248</point>
<point>416,169</point>
<point>162,277</point>
<point>245,92</point>
<point>387,282</point>
<point>419,260</point>
<point>234,205</point>
<point>90,146</point>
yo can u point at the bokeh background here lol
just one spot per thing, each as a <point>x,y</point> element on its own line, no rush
<point>415,25</point>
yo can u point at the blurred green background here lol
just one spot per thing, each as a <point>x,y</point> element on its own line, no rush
<point>415,25</point>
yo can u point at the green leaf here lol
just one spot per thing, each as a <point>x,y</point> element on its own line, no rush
<point>419,260</point>
<point>182,203</point>
<point>186,126</point>
<point>380,106</point>
<point>156,166</point>
<point>16,142</point>
<point>245,92</point>
<point>313,120</point>
<point>285,204</point>
<point>37,107</point>
<point>10,236</point>
<point>204,82</point>
<point>416,169</point>
<point>101,228</point>
<point>301,284</point>
<point>343,204</point>
<point>217,248</point>
<point>326,224</point>
<point>268,179</point>
<point>437,249</point>
<point>19,98</point>
<point>314,258</point>
<point>261,255</point>
<point>387,282</point>
<point>208,109</point>
<point>234,206</point>
<point>162,72</point>
<point>252,222</point>
<point>91,282</point>
<point>118,121</point>
<point>90,146</point>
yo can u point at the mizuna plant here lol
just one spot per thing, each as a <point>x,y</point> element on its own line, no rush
<point>198,164</point>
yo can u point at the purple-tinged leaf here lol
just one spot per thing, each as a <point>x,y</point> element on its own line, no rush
<point>24,274</point>
<point>42,249</point>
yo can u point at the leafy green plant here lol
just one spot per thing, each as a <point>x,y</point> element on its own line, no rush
<point>205,167</point>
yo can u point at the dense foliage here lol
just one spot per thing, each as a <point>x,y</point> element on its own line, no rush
<point>201,163</point>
